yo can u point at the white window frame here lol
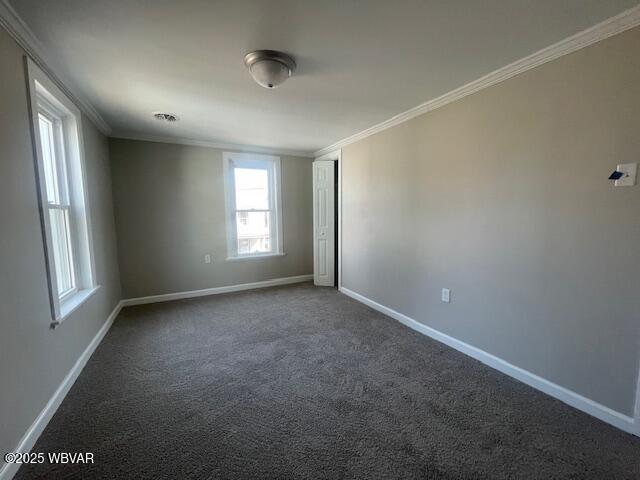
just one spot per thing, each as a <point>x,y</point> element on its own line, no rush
<point>232,160</point>
<point>47,99</point>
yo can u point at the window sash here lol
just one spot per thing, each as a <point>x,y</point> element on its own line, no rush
<point>250,201</point>
<point>63,251</point>
<point>268,235</point>
<point>55,164</point>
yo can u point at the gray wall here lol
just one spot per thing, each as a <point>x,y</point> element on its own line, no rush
<point>169,207</point>
<point>503,197</point>
<point>34,359</point>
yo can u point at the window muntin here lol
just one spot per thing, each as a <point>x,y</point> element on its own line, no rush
<point>253,205</point>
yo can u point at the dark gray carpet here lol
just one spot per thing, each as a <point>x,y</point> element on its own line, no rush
<point>302,382</point>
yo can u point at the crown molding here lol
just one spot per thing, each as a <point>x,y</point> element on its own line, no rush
<point>26,39</point>
<point>220,146</point>
<point>612,26</point>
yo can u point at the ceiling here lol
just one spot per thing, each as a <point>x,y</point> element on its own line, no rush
<point>360,62</point>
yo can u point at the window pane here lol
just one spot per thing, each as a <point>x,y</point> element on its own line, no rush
<point>49,158</point>
<point>253,232</point>
<point>252,189</point>
<point>62,255</point>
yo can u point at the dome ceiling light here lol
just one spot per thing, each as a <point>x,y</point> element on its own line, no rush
<point>269,68</point>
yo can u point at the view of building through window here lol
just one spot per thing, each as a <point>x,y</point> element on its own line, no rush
<point>252,210</point>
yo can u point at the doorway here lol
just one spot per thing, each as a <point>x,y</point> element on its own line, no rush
<point>327,231</point>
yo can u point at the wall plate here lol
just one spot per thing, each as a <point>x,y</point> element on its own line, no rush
<point>629,177</point>
<point>446,295</point>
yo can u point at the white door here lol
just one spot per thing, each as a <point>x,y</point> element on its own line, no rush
<point>324,245</point>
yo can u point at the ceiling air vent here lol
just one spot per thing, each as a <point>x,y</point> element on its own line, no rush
<point>165,117</point>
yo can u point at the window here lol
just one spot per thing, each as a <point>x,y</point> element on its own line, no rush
<point>64,218</point>
<point>57,201</point>
<point>253,206</point>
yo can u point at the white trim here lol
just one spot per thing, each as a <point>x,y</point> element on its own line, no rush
<point>563,394</point>
<point>74,302</point>
<point>336,156</point>
<point>37,427</point>
<point>215,291</point>
<point>22,34</point>
<point>339,253</point>
<point>220,146</point>
<point>43,93</point>
<point>333,155</point>
<point>612,26</point>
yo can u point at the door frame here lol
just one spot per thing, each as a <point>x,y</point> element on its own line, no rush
<point>336,156</point>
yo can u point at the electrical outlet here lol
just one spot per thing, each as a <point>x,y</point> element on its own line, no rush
<point>446,295</point>
<point>207,258</point>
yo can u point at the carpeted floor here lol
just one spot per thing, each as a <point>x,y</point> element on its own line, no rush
<point>303,382</point>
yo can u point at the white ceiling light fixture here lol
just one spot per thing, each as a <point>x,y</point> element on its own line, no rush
<point>269,68</point>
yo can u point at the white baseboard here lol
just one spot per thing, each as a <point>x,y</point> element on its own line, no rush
<point>563,394</point>
<point>37,427</point>
<point>215,291</point>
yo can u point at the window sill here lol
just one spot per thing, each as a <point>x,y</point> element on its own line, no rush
<point>254,257</point>
<point>74,302</point>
